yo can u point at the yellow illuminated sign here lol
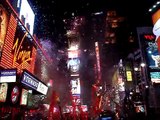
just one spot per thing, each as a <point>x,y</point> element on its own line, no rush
<point>23,55</point>
<point>129,75</point>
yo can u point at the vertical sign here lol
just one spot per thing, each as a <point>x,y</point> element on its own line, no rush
<point>98,61</point>
<point>3,27</point>
<point>7,56</point>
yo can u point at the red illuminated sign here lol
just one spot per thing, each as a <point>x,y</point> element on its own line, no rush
<point>3,26</point>
<point>18,51</point>
<point>22,51</point>
<point>7,56</point>
<point>98,61</point>
<point>149,37</point>
<point>15,94</point>
<point>19,54</point>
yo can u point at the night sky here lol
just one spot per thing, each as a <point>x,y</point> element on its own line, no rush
<point>51,13</point>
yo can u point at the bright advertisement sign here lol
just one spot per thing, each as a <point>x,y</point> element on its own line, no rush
<point>23,51</point>
<point>98,60</point>
<point>32,82</point>
<point>3,92</point>
<point>24,97</point>
<point>73,53</point>
<point>15,94</point>
<point>42,88</point>
<point>7,56</point>
<point>29,81</point>
<point>156,27</point>
<point>18,51</point>
<point>3,26</point>
<point>73,65</point>
<point>129,75</point>
<point>151,49</point>
<point>27,15</point>
<point>8,75</point>
<point>84,108</point>
<point>75,86</point>
<point>155,77</point>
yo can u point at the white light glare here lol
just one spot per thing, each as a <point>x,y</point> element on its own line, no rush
<point>147,86</point>
<point>154,6</point>
<point>158,2</point>
<point>48,84</point>
<point>136,69</point>
<point>131,93</point>
<point>150,10</point>
<point>98,13</point>
<point>143,64</point>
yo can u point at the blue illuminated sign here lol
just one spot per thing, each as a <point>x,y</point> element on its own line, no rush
<point>8,75</point>
<point>30,81</point>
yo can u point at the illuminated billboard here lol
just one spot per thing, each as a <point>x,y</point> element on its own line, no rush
<point>27,15</point>
<point>22,51</point>
<point>32,82</point>
<point>8,75</point>
<point>73,53</point>
<point>156,26</point>
<point>18,51</point>
<point>15,94</point>
<point>84,108</point>
<point>98,61</point>
<point>75,86</point>
<point>3,91</point>
<point>24,97</point>
<point>151,49</point>
<point>3,26</point>
<point>7,56</point>
<point>73,65</point>
<point>129,75</point>
<point>155,77</point>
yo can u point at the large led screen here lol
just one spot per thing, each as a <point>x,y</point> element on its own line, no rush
<point>73,65</point>
<point>156,26</point>
<point>8,75</point>
<point>27,15</point>
<point>75,85</point>
<point>73,53</point>
<point>155,77</point>
<point>84,108</point>
<point>151,49</point>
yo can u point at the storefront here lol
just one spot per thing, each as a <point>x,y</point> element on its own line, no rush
<point>16,92</point>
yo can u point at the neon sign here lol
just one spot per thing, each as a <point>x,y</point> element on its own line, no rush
<point>21,55</point>
<point>149,37</point>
